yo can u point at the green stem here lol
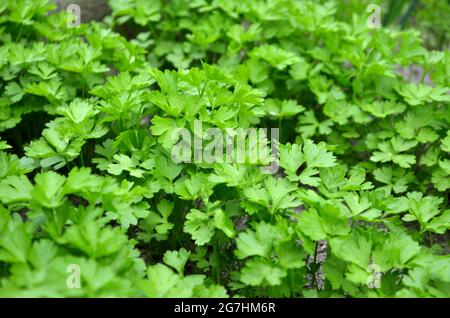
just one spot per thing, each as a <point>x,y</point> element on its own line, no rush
<point>216,251</point>
<point>316,247</point>
<point>413,6</point>
<point>424,75</point>
<point>138,123</point>
<point>82,158</point>
<point>280,121</point>
<point>121,123</point>
<point>430,238</point>
<point>19,34</point>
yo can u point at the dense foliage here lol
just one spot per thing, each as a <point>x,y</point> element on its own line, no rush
<point>358,208</point>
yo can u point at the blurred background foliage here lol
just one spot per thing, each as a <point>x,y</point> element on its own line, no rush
<point>431,17</point>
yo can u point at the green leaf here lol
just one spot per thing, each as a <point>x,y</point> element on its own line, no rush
<point>439,224</point>
<point>200,226</point>
<point>354,248</point>
<point>255,243</point>
<point>15,189</point>
<point>222,222</point>
<point>276,194</point>
<point>177,259</point>
<point>49,189</point>
<point>327,221</point>
<point>251,274</point>
<point>15,241</point>
<point>275,56</point>
<point>163,282</point>
<point>311,156</point>
<point>392,151</point>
